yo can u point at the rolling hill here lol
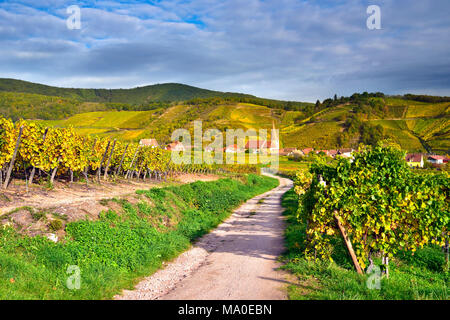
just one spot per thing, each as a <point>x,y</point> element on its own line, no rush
<point>134,96</point>
<point>429,131</point>
<point>417,123</point>
<point>22,99</point>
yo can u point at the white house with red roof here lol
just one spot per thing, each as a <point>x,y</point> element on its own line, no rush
<point>175,146</point>
<point>232,149</point>
<point>414,160</point>
<point>436,159</point>
<point>149,143</point>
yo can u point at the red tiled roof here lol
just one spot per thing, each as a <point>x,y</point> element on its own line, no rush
<point>437,157</point>
<point>232,146</point>
<point>413,157</point>
<point>332,152</point>
<point>172,145</point>
<point>149,142</point>
<point>254,144</point>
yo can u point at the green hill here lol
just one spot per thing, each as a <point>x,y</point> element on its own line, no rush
<point>22,99</point>
<point>416,126</point>
<point>430,132</point>
<point>417,123</point>
<point>135,96</point>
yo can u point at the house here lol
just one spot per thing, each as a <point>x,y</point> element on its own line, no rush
<point>296,154</point>
<point>286,151</point>
<point>149,143</point>
<point>414,160</point>
<point>210,149</point>
<point>232,149</point>
<point>306,151</point>
<point>346,152</point>
<point>271,147</point>
<point>253,146</point>
<point>323,151</point>
<point>256,146</point>
<point>175,146</point>
<point>332,153</point>
<point>435,159</point>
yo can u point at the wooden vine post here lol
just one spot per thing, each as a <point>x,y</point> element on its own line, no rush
<point>348,244</point>
<point>121,160</point>
<point>132,162</point>
<point>109,160</point>
<point>103,160</point>
<point>86,169</point>
<point>52,178</point>
<point>13,159</point>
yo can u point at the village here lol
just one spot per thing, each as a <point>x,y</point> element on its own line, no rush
<point>414,160</point>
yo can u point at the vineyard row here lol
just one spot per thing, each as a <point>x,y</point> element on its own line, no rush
<point>27,148</point>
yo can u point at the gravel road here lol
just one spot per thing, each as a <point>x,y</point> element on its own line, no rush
<point>236,261</point>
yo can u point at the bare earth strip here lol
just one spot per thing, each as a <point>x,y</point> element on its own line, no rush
<point>236,261</point>
<point>69,197</point>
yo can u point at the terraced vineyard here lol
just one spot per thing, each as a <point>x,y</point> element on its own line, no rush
<point>133,114</point>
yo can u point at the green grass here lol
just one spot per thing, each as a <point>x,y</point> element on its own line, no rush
<point>287,165</point>
<point>411,277</point>
<point>117,250</point>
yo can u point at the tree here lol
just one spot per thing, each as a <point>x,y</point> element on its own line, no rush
<point>317,107</point>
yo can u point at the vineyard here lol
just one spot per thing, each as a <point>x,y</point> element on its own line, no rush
<point>375,204</point>
<point>28,149</point>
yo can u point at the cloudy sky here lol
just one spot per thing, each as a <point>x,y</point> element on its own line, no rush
<point>283,49</point>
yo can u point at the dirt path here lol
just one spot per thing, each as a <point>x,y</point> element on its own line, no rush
<point>238,260</point>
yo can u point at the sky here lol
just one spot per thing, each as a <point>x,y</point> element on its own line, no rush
<point>281,49</point>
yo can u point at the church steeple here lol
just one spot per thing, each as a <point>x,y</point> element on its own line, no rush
<point>274,136</point>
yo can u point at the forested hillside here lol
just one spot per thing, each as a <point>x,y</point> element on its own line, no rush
<point>22,99</point>
<point>419,123</point>
<point>134,96</point>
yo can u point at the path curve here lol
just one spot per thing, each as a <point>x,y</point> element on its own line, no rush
<point>236,261</point>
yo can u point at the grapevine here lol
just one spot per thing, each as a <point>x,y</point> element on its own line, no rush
<point>383,205</point>
<point>59,151</point>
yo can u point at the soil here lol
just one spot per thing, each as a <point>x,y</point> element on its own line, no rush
<point>32,209</point>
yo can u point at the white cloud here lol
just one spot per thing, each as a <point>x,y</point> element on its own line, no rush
<point>286,49</point>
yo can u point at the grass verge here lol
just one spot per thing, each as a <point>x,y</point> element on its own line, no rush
<point>412,277</point>
<point>114,252</point>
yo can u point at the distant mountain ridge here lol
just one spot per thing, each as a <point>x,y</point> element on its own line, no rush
<point>137,96</point>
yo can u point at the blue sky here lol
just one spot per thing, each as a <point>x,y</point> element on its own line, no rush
<point>282,49</point>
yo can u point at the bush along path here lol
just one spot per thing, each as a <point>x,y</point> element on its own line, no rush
<point>121,246</point>
<point>238,260</point>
